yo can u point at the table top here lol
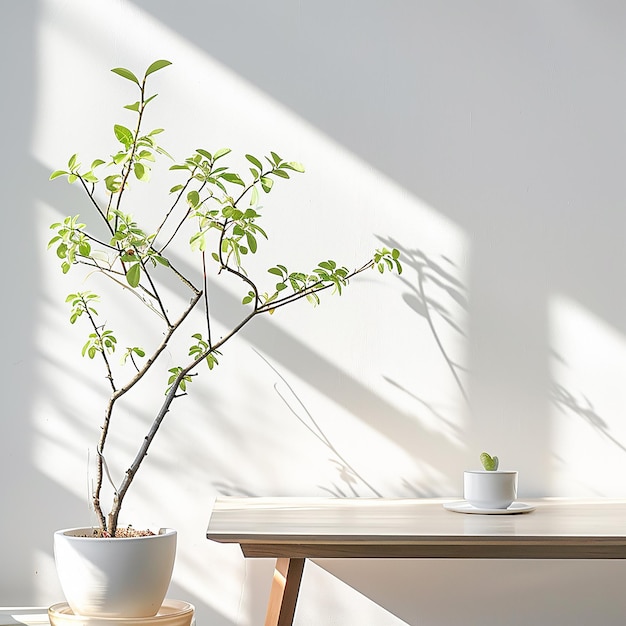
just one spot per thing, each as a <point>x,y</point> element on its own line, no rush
<point>418,528</point>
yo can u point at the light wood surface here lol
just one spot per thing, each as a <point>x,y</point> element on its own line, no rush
<point>294,529</point>
<point>412,528</point>
<point>281,606</point>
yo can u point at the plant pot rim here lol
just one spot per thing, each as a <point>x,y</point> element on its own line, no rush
<point>71,534</point>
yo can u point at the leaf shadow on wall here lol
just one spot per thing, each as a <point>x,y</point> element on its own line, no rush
<point>582,407</point>
<point>436,275</point>
<point>433,282</point>
<point>295,357</point>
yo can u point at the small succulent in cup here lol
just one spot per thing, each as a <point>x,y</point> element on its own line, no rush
<point>490,463</point>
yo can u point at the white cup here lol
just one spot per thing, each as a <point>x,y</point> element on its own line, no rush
<point>490,489</point>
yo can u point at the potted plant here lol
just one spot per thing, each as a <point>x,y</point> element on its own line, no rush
<point>490,488</point>
<point>215,211</point>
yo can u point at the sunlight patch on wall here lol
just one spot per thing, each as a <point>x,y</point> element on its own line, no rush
<point>588,399</point>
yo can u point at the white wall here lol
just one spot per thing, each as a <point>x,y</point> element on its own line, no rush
<point>485,139</point>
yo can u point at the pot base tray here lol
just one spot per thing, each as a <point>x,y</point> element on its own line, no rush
<point>171,613</point>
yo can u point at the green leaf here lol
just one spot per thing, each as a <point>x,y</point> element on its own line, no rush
<point>113,183</point>
<point>124,73</point>
<point>298,167</point>
<point>156,66</point>
<point>254,196</point>
<point>251,242</point>
<point>205,153</point>
<point>220,153</point>
<point>84,248</point>
<point>211,360</point>
<point>133,275</point>
<point>141,172</point>
<point>121,157</point>
<point>266,183</point>
<point>62,251</point>
<point>198,241</point>
<point>255,161</point>
<point>123,134</point>
<point>146,155</point>
<point>218,183</point>
<point>233,178</point>
<point>57,173</point>
<point>132,107</point>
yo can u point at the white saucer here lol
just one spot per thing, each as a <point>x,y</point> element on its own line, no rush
<point>462,506</point>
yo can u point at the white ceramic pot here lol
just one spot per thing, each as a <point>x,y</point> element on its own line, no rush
<point>490,489</point>
<point>123,577</point>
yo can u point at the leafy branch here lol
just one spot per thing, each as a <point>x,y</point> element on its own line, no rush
<point>223,206</point>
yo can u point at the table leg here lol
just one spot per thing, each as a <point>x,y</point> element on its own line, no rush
<point>284,592</point>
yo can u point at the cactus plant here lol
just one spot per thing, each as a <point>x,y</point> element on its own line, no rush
<point>490,463</point>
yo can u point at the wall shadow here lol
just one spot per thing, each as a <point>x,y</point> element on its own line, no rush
<point>503,143</point>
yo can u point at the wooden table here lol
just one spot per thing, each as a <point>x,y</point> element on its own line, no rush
<point>292,530</point>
